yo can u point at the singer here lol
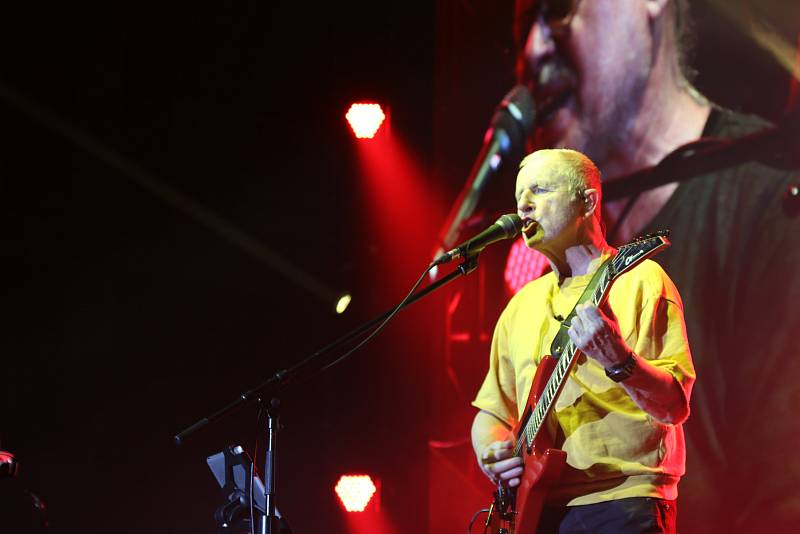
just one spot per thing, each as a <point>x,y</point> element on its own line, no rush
<point>619,416</point>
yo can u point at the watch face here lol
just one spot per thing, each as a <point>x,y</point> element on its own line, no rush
<point>621,371</point>
<point>618,375</point>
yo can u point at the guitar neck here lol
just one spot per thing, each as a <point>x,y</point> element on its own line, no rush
<point>565,363</point>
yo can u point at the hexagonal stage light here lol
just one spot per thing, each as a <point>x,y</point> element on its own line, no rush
<point>356,491</point>
<point>365,118</point>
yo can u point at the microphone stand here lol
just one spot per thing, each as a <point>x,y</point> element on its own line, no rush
<point>307,368</point>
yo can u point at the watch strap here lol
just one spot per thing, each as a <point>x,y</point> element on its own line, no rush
<point>623,370</point>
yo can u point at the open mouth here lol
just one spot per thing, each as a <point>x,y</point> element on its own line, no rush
<point>529,227</point>
<point>551,104</point>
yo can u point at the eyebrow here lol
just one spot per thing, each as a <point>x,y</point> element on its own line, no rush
<point>518,192</point>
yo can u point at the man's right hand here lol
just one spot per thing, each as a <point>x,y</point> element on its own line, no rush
<point>498,462</point>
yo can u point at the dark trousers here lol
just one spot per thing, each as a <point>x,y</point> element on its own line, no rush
<point>637,515</point>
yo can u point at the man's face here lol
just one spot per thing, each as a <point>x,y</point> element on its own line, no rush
<point>548,204</point>
<point>587,76</point>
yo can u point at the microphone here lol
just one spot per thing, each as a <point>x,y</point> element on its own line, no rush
<point>505,138</point>
<point>506,227</point>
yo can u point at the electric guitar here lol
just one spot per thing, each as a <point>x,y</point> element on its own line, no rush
<point>517,511</point>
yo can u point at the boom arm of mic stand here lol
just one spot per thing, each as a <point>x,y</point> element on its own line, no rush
<point>306,368</point>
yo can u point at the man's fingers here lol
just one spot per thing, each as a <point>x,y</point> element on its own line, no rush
<point>511,473</point>
<point>589,314</point>
<point>573,335</point>
<point>576,326</point>
<point>497,451</point>
<point>500,467</point>
<point>497,455</point>
<point>580,311</point>
<point>507,471</point>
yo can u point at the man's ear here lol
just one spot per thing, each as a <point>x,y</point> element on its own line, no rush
<point>590,201</point>
<point>656,8</point>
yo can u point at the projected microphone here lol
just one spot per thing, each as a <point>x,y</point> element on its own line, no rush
<point>506,227</point>
<point>504,139</point>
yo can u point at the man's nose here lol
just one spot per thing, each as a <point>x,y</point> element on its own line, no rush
<point>524,206</point>
<point>539,46</point>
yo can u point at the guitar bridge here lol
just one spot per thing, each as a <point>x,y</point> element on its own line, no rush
<point>504,504</point>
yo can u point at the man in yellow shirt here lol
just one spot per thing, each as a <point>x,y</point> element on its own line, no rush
<point>620,412</point>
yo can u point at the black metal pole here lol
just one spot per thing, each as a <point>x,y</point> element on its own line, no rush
<point>268,520</point>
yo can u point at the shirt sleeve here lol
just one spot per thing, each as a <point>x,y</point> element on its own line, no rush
<point>658,333</point>
<point>497,395</point>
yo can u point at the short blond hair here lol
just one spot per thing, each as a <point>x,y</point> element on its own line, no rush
<point>579,171</point>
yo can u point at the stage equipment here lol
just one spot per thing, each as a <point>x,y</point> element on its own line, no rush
<point>355,492</point>
<point>8,465</point>
<point>365,118</point>
<point>244,492</point>
<point>503,145</point>
<point>506,227</point>
<point>22,510</point>
<point>343,303</point>
<point>315,364</point>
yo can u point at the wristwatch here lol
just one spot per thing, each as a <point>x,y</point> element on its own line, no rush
<point>623,370</point>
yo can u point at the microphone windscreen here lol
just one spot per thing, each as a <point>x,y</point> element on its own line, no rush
<point>515,116</point>
<point>511,223</point>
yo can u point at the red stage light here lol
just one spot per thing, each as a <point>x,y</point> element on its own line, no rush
<point>365,119</point>
<point>355,491</point>
<point>523,265</point>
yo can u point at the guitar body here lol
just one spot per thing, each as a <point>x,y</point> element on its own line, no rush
<point>542,466</point>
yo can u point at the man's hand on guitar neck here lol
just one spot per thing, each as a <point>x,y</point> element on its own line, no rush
<point>595,332</point>
<point>494,448</point>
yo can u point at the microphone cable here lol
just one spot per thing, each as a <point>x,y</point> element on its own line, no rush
<point>381,326</point>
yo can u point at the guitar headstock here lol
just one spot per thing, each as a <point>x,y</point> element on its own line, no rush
<point>638,250</point>
<point>654,235</point>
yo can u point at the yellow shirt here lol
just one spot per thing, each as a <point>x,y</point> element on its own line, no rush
<point>614,449</point>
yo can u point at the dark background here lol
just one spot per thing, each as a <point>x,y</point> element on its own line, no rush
<point>126,320</point>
